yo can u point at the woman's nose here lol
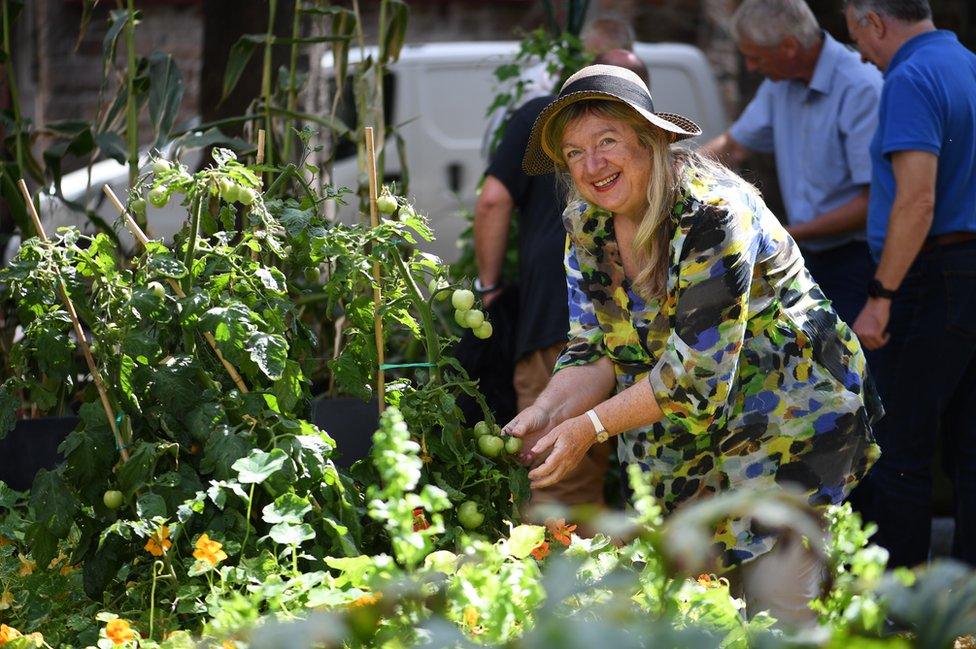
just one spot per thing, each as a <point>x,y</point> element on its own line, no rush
<point>594,161</point>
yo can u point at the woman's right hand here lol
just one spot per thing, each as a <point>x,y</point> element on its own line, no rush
<point>530,425</point>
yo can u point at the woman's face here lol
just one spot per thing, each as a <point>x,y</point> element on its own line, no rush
<point>608,164</point>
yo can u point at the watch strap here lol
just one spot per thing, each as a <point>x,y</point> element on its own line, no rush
<point>481,288</point>
<point>601,431</point>
<point>877,289</point>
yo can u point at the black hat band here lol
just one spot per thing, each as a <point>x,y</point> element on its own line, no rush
<point>626,90</point>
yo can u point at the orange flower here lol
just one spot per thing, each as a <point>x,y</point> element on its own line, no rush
<point>36,638</point>
<point>209,550</point>
<point>159,542</point>
<point>366,600</point>
<point>27,566</point>
<point>6,600</point>
<point>5,541</point>
<point>471,616</point>
<point>560,531</point>
<point>8,633</point>
<point>119,631</point>
<point>541,551</point>
<point>419,520</point>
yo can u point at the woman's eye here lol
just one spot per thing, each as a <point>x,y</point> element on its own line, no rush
<point>572,154</point>
<point>607,141</point>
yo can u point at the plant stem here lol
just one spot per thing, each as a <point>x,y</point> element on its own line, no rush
<point>296,28</point>
<point>266,83</point>
<point>426,317</point>
<point>191,244</point>
<point>12,89</point>
<point>131,124</point>
<point>247,518</point>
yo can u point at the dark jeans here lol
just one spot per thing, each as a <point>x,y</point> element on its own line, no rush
<point>926,375</point>
<point>843,274</point>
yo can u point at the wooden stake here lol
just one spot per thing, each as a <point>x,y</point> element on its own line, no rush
<point>377,292</point>
<point>79,332</point>
<point>143,239</point>
<point>260,153</point>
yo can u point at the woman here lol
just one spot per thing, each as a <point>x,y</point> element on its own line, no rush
<point>690,305</point>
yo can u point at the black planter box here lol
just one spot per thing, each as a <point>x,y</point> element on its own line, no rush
<point>350,422</point>
<point>31,446</point>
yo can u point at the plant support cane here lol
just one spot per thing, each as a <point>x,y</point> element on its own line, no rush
<point>377,292</point>
<point>79,332</point>
<point>143,239</point>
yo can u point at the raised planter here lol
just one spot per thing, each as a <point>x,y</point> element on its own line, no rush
<point>350,422</point>
<point>31,446</point>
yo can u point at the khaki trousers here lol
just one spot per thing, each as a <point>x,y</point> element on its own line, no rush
<point>584,485</point>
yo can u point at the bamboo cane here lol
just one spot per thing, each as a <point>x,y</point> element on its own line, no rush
<point>377,292</point>
<point>143,239</point>
<point>79,332</point>
<point>260,153</point>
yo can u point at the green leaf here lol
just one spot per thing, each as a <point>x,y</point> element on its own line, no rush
<point>237,60</point>
<point>117,20</point>
<point>150,505</point>
<point>394,31</point>
<point>258,466</point>
<point>165,265</point>
<point>223,448</point>
<point>269,351</point>
<point>213,137</point>
<point>165,94</point>
<point>8,411</point>
<point>54,502</point>
<point>272,279</point>
<point>524,539</point>
<point>288,508</point>
<point>290,534</point>
<point>112,145</point>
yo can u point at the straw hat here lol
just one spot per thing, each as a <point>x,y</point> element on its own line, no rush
<point>601,82</point>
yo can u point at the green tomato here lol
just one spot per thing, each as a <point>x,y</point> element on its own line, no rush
<point>138,207</point>
<point>462,299</point>
<point>469,516</point>
<point>160,165</point>
<point>157,289</point>
<point>482,428</point>
<point>158,197</point>
<point>483,331</point>
<point>474,318</point>
<point>490,445</point>
<point>311,275</point>
<point>229,191</point>
<point>461,317</point>
<point>513,445</point>
<point>435,287</point>
<point>246,195</point>
<point>386,204</point>
<point>113,499</point>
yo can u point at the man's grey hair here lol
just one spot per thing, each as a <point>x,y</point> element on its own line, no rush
<point>614,33</point>
<point>767,22</point>
<point>908,11</point>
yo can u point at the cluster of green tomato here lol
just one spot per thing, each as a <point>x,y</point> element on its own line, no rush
<point>469,317</point>
<point>387,204</point>
<point>491,443</point>
<point>159,195</point>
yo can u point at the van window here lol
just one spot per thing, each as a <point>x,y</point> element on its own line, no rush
<point>345,147</point>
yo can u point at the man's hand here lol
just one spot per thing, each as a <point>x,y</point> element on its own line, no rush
<point>491,296</point>
<point>872,323</point>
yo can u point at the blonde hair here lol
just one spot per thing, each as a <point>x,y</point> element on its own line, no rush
<point>654,232</point>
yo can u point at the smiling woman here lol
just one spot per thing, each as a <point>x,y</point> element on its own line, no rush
<point>696,333</point>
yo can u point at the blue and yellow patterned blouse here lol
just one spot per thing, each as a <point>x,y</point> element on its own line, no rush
<point>759,380</point>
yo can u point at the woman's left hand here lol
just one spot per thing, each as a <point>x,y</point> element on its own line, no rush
<point>569,442</point>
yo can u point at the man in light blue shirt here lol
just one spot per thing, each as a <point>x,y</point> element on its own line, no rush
<point>816,112</point>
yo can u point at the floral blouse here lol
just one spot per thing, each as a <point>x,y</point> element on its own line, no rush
<point>759,380</point>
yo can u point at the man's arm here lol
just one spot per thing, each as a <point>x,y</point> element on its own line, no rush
<point>492,217</point>
<point>726,150</point>
<point>908,226</point>
<point>849,217</point>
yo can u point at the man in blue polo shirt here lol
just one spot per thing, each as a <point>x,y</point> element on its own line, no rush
<point>921,314</point>
<point>816,111</point>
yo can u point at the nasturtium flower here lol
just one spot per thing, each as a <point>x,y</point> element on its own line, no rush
<point>471,616</point>
<point>159,542</point>
<point>6,600</point>
<point>560,531</point>
<point>27,566</point>
<point>208,550</point>
<point>541,551</point>
<point>366,600</point>
<point>419,520</point>
<point>119,631</point>
<point>8,633</point>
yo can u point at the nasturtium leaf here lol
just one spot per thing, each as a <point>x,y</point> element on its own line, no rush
<point>524,539</point>
<point>356,570</point>
<point>258,466</point>
<point>150,505</point>
<point>287,508</point>
<point>290,534</point>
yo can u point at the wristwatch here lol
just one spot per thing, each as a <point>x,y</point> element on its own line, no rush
<point>877,289</point>
<point>601,431</point>
<point>481,289</point>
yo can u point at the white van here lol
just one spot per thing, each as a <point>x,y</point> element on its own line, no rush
<point>437,95</point>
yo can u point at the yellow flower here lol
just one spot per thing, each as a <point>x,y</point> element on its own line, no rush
<point>67,569</point>
<point>8,633</point>
<point>208,550</point>
<point>6,600</point>
<point>27,566</point>
<point>159,542</point>
<point>471,616</point>
<point>5,541</point>
<point>36,638</point>
<point>366,600</point>
<point>119,631</point>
